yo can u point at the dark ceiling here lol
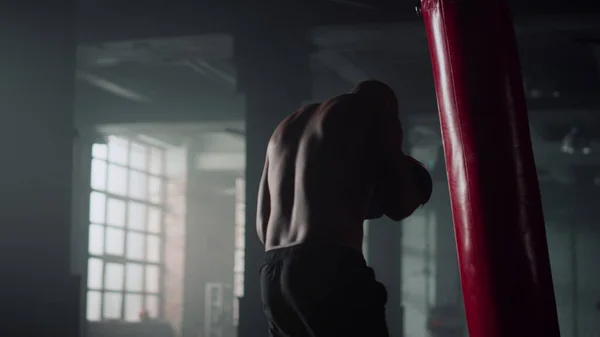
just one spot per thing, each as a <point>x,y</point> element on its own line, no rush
<point>107,20</point>
<point>169,52</point>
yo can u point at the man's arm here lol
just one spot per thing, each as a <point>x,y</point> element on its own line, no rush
<point>402,183</point>
<point>263,211</point>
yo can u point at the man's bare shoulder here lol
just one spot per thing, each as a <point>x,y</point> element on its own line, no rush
<point>293,123</point>
<point>341,101</point>
<point>346,113</point>
<point>347,106</point>
<point>339,111</point>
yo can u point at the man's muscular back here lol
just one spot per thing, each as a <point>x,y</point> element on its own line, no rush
<point>316,176</point>
<point>324,163</point>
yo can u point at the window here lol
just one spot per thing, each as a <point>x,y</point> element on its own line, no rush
<point>126,234</point>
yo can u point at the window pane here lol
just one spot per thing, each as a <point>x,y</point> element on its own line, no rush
<point>156,161</point>
<point>115,212</point>
<point>97,207</point>
<point>155,190</point>
<point>138,185</point>
<point>172,188</point>
<point>154,219</point>
<point>99,151</point>
<point>96,240</point>
<point>133,307</point>
<point>135,246</point>
<point>94,299</point>
<point>152,279</point>
<point>137,216</point>
<point>139,157</point>
<point>112,305</point>
<point>98,178</point>
<point>117,180</point>
<point>115,241</point>
<point>153,248</point>
<point>94,273</point>
<point>113,279</point>
<point>135,277</point>
<point>117,150</point>
<point>152,306</point>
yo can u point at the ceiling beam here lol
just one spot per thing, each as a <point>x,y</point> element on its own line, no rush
<point>132,20</point>
<point>158,51</point>
<point>112,87</point>
<point>213,71</point>
<point>355,37</point>
<point>96,107</point>
<point>345,68</point>
<point>127,20</point>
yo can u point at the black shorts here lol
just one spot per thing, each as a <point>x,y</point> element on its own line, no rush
<point>321,291</point>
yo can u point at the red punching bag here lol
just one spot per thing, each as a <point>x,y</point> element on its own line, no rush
<point>499,225</point>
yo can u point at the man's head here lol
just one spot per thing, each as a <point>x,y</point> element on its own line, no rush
<point>379,93</point>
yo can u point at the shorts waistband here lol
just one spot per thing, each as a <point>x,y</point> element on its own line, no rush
<point>316,250</point>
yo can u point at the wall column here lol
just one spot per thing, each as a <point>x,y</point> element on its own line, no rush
<point>447,283</point>
<point>272,58</point>
<point>385,256</point>
<point>37,63</point>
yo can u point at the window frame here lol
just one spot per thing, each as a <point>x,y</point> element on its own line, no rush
<point>123,260</point>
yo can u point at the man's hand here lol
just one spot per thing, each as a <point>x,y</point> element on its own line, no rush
<point>422,177</point>
<point>422,180</point>
<point>403,184</point>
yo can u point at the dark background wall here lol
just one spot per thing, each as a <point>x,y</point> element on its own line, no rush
<point>45,133</point>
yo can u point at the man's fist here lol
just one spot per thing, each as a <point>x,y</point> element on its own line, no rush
<point>374,210</point>
<point>422,178</point>
<point>423,183</point>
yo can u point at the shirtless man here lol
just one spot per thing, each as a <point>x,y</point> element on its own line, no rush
<point>329,167</point>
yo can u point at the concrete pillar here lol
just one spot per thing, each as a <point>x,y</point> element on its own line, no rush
<point>446,317</point>
<point>37,63</point>
<point>573,235</point>
<point>385,256</point>
<point>209,242</point>
<point>272,58</point>
<point>447,283</point>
